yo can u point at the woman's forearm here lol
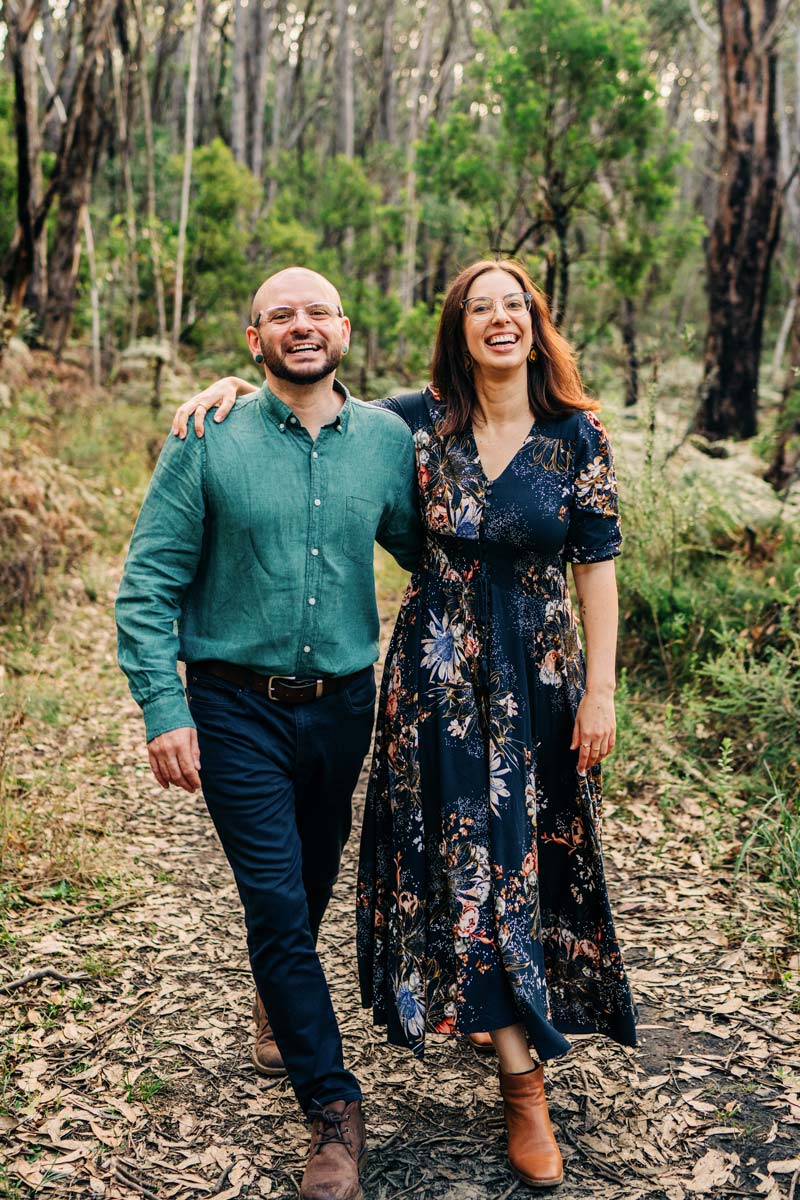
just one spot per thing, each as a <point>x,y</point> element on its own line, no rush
<point>596,585</point>
<point>243,387</point>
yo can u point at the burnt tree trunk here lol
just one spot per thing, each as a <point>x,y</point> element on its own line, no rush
<point>74,193</point>
<point>26,257</point>
<point>745,230</point>
<point>628,326</point>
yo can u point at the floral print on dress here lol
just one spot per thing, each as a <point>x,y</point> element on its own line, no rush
<point>482,899</point>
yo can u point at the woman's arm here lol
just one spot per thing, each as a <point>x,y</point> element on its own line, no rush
<point>595,723</point>
<point>221,395</point>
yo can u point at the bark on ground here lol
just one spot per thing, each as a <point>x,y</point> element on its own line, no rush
<point>137,1081</point>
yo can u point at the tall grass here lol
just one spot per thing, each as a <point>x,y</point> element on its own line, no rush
<point>710,639</point>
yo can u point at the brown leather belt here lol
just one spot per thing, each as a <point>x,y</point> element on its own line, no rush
<point>285,689</point>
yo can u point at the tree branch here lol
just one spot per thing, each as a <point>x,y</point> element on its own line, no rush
<point>774,29</point>
<point>45,973</point>
<point>702,23</point>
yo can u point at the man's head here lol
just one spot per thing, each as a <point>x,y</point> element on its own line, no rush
<point>298,326</point>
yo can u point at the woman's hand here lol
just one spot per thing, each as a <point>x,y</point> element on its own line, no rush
<point>595,730</point>
<point>221,395</point>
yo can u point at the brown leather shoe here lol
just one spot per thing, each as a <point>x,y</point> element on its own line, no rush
<point>481,1042</point>
<point>532,1149</point>
<point>338,1148</point>
<point>264,1053</point>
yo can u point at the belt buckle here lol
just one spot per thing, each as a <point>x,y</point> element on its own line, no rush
<point>276,679</point>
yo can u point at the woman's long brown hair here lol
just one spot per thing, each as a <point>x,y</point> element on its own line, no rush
<point>554,382</point>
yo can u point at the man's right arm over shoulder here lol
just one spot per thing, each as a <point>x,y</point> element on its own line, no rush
<point>162,561</point>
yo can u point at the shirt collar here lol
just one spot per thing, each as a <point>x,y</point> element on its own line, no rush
<point>283,417</point>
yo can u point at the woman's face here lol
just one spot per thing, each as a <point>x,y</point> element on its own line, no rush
<point>498,335</point>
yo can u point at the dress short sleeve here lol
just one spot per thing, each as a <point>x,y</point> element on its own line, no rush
<point>594,533</point>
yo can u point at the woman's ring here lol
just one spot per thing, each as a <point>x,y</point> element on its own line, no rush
<point>584,745</point>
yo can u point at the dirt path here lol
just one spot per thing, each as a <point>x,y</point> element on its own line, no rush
<point>137,1081</point>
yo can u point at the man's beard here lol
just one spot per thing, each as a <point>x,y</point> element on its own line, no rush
<point>282,369</point>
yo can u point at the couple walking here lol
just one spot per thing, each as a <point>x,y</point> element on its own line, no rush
<point>482,906</point>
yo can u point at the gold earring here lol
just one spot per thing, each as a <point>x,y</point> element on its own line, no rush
<point>468,363</point>
<point>532,355</point>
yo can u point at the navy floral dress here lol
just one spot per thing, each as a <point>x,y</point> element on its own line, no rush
<point>481,896</point>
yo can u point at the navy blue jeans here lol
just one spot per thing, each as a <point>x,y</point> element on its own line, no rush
<point>278,781</point>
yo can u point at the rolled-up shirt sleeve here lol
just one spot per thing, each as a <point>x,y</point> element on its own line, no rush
<point>162,561</point>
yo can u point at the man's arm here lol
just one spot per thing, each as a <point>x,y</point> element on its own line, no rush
<point>400,531</point>
<point>162,561</point>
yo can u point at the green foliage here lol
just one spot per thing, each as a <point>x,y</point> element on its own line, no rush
<point>225,197</point>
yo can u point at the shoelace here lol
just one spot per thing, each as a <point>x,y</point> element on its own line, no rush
<point>331,1129</point>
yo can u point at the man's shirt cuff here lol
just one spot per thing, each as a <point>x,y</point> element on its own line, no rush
<point>165,712</point>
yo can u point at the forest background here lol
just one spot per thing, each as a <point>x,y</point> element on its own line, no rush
<point>158,161</point>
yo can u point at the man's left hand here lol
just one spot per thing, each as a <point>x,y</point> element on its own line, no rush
<point>175,758</point>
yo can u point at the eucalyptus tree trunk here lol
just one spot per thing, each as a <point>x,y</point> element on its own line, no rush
<point>785,467</point>
<point>26,259</point>
<point>188,147</point>
<point>242,22</point>
<point>345,126</point>
<point>386,98</point>
<point>417,113</point>
<point>73,200</point>
<point>121,98</point>
<point>745,230</point>
<point>94,296</point>
<point>262,33</point>
<point>154,238</point>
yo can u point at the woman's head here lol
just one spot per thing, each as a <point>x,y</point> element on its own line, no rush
<point>494,320</point>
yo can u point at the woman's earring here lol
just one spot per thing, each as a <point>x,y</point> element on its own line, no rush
<point>259,358</point>
<point>468,363</point>
<point>532,355</point>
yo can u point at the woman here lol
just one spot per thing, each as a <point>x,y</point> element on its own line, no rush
<point>482,902</point>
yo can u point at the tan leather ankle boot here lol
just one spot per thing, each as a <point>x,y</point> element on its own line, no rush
<point>337,1153</point>
<point>264,1053</point>
<point>532,1149</point>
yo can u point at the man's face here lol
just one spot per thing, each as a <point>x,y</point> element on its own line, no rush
<point>304,346</point>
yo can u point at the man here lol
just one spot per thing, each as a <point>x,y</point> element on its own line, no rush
<point>251,561</point>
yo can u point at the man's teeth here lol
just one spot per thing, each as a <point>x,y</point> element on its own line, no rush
<point>304,346</point>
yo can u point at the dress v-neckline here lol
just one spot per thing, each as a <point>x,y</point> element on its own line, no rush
<point>516,453</point>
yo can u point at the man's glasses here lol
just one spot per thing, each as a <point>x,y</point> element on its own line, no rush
<point>283,314</point>
<point>515,303</point>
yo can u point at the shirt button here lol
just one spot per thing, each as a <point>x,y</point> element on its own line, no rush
<point>314,454</point>
<point>317,503</point>
<point>315,552</point>
<point>312,600</point>
<point>292,420</point>
<point>306,649</point>
<point>282,427</point>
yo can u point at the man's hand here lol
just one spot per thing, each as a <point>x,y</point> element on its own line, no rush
<point>175,758</point>
<point>221,395</point>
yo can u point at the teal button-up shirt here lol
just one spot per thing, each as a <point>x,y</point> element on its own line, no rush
<point>255,545</point>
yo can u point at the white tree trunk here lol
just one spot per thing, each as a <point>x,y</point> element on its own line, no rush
<point>418,104</point>
<point>242,25</point>
<point>152,220</point>
<point>94,296</point>
<point>188,147</point>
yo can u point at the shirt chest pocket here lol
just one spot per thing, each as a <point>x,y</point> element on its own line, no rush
<point>361,520</point>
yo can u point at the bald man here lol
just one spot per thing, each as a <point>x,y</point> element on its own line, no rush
<point>251,561</point>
